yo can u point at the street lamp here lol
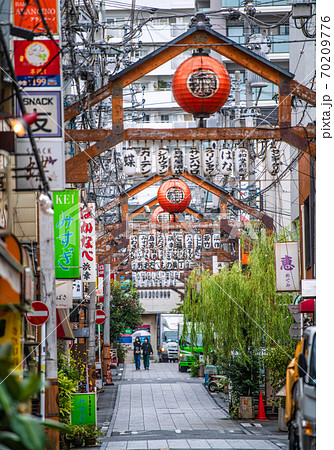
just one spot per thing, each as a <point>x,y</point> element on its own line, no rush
<point>20,124</point>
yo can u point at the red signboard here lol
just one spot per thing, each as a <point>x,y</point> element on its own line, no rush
<point>39,315</point>
<point>37,63</point>
<point>100,317</point>
<point>100,270</point>
<point>27,15</point>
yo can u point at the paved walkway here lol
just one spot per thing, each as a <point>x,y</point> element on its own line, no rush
<point>163,408</point>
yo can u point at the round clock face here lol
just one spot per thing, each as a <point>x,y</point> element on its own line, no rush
<point>203,83</point>
<point>37,54</point>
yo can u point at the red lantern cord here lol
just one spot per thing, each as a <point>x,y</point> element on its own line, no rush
<point>201,85</point>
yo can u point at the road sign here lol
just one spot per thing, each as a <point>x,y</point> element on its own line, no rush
<point>100,317</point>
<point>294,312</point>
<point>39,315</point>
<point>295,331</point>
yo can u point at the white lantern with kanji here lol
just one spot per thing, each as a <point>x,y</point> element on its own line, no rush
<point>162,161</point>
<point>145,161</point>
<point>177,161</point>
<point>194,161</point>
<point>241,161</point>
<point>209,162</point>
<point>129,157</point>
<point>225,161</point>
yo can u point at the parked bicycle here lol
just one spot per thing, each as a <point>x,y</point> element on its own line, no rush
<point>218,383</point>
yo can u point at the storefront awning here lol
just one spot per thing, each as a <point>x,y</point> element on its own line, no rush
<point>306,306</point>
<point>64,330</point>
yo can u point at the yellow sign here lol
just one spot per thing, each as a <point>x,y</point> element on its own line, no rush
<point>11,331</point>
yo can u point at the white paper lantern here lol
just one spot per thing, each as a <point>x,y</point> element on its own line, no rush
<point>133,242</point>
<point>241,161</point>
<point>162,161</point>
<point>207,241</point>
<point>273,160</point>
<point>129,157</point>
<point>194,161</point>
<point>225,161</point>
<point>177,161</point>
<point>145,161</point>
<point>209,162</point>
<point>216,241</point>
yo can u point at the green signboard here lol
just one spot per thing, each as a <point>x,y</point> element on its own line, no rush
<point>66,233</point>
<point>83,409</point>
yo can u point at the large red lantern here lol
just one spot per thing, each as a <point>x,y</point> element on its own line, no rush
<point>201,85</point>
<point>159,215</point>
<point>174,196</point>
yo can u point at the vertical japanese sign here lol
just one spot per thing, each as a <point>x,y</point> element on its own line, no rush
<point>83,409</point>
<point>287,266</point>
<point>11,331</point>
<point>87,241</point>
<point>66,233</point>
<point>27,15</point>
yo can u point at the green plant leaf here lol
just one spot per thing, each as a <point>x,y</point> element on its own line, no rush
<point>10,440</point>
<point>29,430</point>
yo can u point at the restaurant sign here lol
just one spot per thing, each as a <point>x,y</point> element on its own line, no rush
<point>287,266</point>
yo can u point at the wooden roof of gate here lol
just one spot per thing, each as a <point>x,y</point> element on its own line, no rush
<point>197,37</point>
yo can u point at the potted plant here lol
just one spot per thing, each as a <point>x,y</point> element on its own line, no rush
<point>276,361</point>
<point>76,434</point>
<point>91,435</point>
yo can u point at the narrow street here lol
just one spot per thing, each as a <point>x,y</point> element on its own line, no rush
<point>165,409</point>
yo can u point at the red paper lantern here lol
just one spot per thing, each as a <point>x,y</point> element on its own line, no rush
<point>201,85</point>
<point>159,215</point>
<point>174,196</point>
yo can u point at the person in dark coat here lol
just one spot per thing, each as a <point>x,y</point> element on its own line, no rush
<point>147,350</point>
<point>136,352</point>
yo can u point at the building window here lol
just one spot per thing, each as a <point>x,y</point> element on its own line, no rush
<point>164,117</point>
<point>236,34</point>
<point>146,118</point>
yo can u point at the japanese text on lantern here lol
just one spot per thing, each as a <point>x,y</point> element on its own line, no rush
<point>66,233</point>
<point>87,242</point>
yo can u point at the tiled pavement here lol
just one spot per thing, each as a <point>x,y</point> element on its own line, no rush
<point>165,409</point>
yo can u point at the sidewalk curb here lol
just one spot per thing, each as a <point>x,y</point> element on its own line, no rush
<point>112,422</point>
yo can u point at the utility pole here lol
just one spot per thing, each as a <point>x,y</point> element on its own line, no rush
<point>48,296</point>
<point>106,309</point>
<point>91,354</point>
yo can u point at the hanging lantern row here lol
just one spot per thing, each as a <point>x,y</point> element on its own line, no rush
<point>157,242</point>
<point>172,264</point>
<point>156,279</point>
<point>211,161</point>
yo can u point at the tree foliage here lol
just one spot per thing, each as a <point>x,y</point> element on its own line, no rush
<point>238,310</point>
<point>125,310</point>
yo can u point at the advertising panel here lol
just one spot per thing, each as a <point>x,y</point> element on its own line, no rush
<point>48,106</point>
<point>66,233</point>
<point>287,266</point>
<point>37,63</point>
<point>27,15</point>
<point>52,156</point>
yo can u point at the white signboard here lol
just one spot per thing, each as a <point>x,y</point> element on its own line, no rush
<point>287,266</point>
<point>77,289</point>
<point>87,242</point>
<point>52,156</point>
<point>64,294</point>
<point>48,106</point>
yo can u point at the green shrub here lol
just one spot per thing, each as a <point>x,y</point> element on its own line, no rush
<point>194,369</point>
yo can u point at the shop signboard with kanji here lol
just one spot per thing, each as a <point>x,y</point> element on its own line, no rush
<point>66,233</point>
<point>27,15</point>
<point>37,63</point>
<point>48,106</point>
<point>52,156</point>
<point>11,331</point>
<point>87,241</point>
<point>287,266</point>
<point>83,409</point>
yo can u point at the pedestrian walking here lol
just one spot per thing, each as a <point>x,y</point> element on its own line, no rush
<point>137,351</point>
<point>147,350</point>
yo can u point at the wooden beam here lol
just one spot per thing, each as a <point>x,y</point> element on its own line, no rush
<point>152,134</point>
<point>302,92</point>
<point>216,190</point>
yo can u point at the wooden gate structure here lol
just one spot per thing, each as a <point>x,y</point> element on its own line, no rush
<point>200,35</point>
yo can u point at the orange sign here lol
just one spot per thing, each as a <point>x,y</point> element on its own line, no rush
<point>29,16</point>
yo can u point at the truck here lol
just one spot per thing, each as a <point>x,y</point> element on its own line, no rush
<point>188,354</point>
<point>300,405</point>
<point>168,337</point>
